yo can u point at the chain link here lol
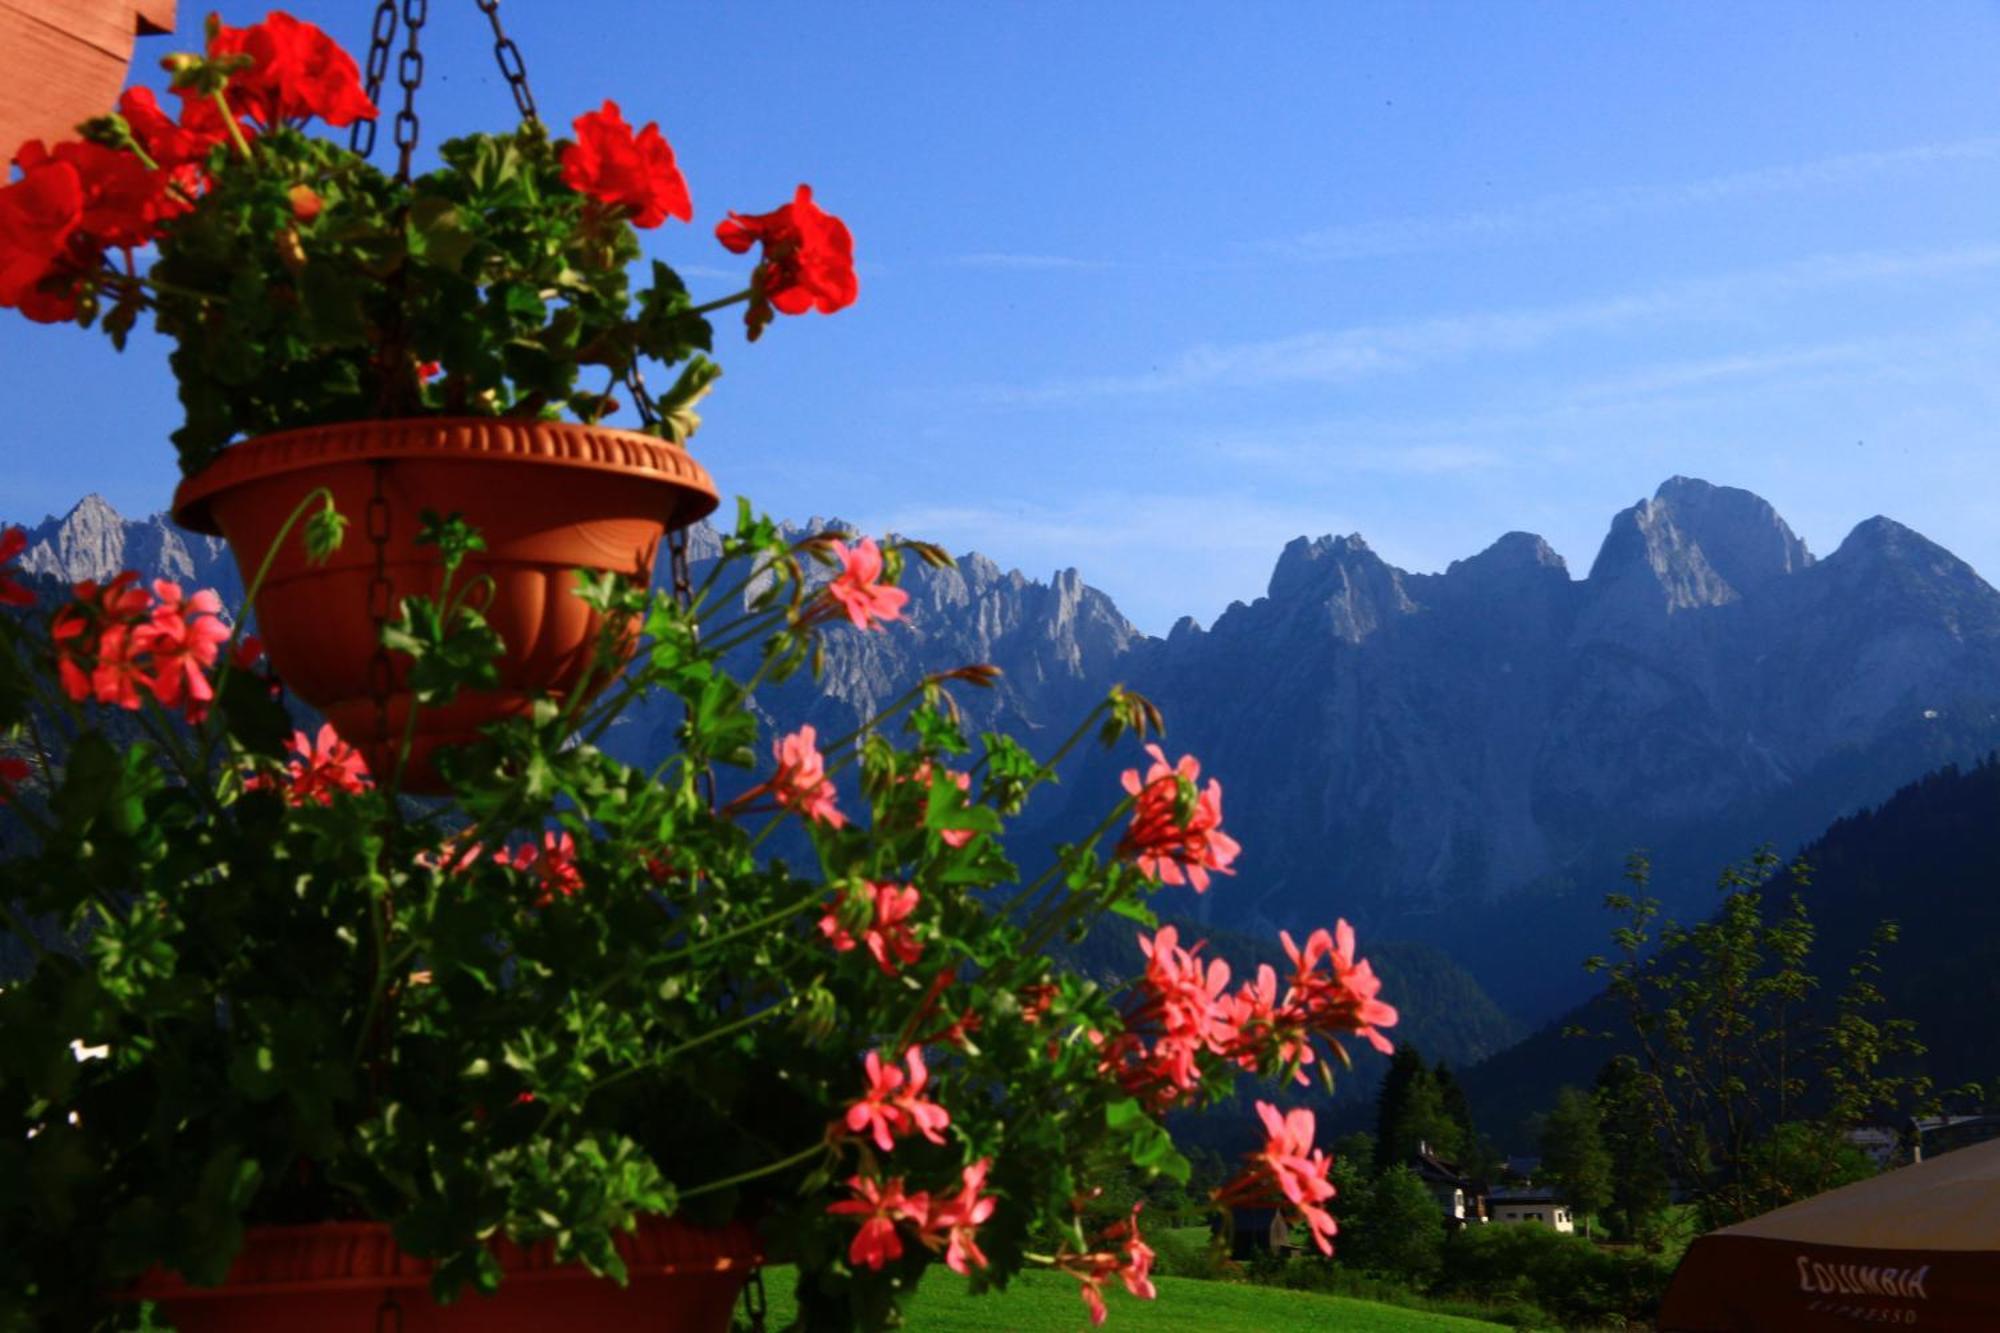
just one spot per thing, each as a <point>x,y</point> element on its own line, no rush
<point>410,74</point>
<point>512,67</point>
<point>381,599</point>
<point>361,138</point>
<point>389,1316</point>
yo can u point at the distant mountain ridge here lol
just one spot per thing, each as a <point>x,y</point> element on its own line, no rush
<point>1462,758</point>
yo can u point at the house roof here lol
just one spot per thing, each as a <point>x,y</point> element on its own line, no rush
<point>1541,1194</point>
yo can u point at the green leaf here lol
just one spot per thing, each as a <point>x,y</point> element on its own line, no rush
<point>330,305</point>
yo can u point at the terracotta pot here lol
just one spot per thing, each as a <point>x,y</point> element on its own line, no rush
<point>66,61</point>
<point>549,498</point>
<point>338,1277</point>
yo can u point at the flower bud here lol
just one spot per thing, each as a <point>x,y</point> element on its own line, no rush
<point>291,252</point>
<point>306,203</point>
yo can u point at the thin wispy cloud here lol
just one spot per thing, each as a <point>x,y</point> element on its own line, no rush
<point>1574,210</point>
<point>1024,262</point>
<point>1360,352</point>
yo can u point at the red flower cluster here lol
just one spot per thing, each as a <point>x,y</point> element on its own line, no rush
<point>1289,1174</point>
<point>113,642</point>
<point>1172,838</point>
<point>633,172</point>
<point>13,541</point>
<point>807,264</point>
<point>297,73</point>
<point>949,1223</point>
<point>320,768</point>
<point>79,201</point>
<point>857,591</point>
<point>887,932</point>
<point>1183,1013</point>
<point>1126,1257</point>
<point>894,1104</point>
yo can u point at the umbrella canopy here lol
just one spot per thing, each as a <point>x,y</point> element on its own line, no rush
<point>1916,1248</point>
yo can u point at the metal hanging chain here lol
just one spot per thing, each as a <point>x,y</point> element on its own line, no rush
<point>512,67</point>
<point>361,137</point>
<point>409,73</point>
<point>389,1316</point>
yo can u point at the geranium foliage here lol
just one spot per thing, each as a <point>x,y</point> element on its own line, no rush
<point>580,991</point>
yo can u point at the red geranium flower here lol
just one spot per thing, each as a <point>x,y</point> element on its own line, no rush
<point>13,772</point>
<point>808,260</point>
<point>297,72</point>
<point>12,542</point>
<point>39,214</point>
<point>634,172</point>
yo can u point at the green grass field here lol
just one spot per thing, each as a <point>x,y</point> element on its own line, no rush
<point>1041,1302</point>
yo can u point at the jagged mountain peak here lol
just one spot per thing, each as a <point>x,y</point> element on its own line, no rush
<point>1305,564</point>
<point>1512,553</point>
<point>1693,544</point>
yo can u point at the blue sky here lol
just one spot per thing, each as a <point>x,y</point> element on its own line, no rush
<point>1149,289</point>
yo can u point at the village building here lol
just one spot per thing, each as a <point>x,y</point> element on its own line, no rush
<point>1529,1204</point>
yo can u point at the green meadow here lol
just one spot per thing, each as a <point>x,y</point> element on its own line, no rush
<point>1042,1302</point>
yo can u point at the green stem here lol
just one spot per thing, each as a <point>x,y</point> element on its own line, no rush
<point>318,494</point>
<point>769,1169</point>
<point>737,932</point>
<point>235,130</point>
<point>743,295</point>
<point>675,1052</point>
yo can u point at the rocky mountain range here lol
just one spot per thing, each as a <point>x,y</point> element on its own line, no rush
<point>1462,758</point>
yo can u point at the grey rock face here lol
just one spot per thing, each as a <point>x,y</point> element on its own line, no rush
<point>93,541</point>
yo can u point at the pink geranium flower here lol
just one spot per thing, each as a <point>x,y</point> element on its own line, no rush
<point>323,767</point>
<point>887,932</point>
<point>880,1206</point>
<point>800,784</point>
<point>954,1221</point>
<point>1164,846</point>
<point>866,600</point>
<point>1287,1173</point>
<point>187,634</point>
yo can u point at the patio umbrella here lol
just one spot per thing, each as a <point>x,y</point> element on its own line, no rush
<point>1918,1247</point>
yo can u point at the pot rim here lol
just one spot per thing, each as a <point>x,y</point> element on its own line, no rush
<point>564,444</point>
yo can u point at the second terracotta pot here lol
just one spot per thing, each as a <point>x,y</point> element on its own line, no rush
<point>548,497</point>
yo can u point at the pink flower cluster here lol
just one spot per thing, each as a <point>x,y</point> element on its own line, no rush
<point>893,1106</point>
<point>947,1222</point>
<point>1176,832</point>
<point>13,541</point>
<point>1126,1257</point>
<point>1184,1012</point>
<point>858,591</point>
<point>886,931</point>
<point>1288,1173</point>
<point>319,769</point>
<point>116,644</point>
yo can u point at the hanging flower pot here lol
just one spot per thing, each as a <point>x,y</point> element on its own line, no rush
<point>337,1277</point>
<point>549,498</point>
